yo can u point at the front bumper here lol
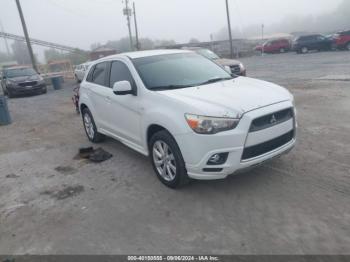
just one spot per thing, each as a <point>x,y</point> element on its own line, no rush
<point>197,149</point>
<point>18,90</point>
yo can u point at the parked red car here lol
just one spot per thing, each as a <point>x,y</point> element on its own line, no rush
<point>342,40</point>
<point>275,46</point>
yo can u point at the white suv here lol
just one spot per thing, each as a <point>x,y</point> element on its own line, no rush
<point>187,113</point>
<point>80,71</point>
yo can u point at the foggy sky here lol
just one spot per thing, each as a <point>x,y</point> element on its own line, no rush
<point>80,23</point>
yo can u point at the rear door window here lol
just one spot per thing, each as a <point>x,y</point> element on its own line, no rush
<point>99,74</point>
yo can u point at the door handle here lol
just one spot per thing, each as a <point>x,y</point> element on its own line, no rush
<point>108,99</point>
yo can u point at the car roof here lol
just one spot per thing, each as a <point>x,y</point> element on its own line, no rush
<point>194,48</point>
<point>16,67</point>
<point>148,53</point>
<point>310,35</point>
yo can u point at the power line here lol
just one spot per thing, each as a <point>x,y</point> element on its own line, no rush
<point>40,42</point>
<point>6,44</point>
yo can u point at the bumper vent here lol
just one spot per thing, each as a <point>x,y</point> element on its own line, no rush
<point>261,149</point>
<point>271,120</point>
<point>32,83</point>
<point>235,69</point>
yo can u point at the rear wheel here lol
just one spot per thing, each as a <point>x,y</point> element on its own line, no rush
<point>167,160</point>
<point>90,127</point>
<point>77,79</point>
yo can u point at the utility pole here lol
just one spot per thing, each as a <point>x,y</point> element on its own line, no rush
<point>262,39</point>
<point>136,30</point>
<point>5,39</point>
<point>30,50</point>
<point>212,42</point>
<point>127,12</point>
<point>229,29</point>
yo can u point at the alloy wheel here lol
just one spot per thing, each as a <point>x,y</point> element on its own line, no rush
<point>164,160</point>
<point>89,126</point>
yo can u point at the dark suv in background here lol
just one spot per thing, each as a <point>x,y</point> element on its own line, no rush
<point>306,43</point>
<point>21,81</point>
<point>342,40</point>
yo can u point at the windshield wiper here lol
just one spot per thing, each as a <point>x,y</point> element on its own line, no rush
<point>169,87</point>
<point>216,79</point>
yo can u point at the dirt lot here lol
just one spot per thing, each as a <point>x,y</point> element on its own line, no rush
<point>51,203</point>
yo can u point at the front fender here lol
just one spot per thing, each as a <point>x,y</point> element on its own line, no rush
<point>174,123</point>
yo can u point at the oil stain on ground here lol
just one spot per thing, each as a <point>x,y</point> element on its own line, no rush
<point>66,170</point>
<point>67,192</point>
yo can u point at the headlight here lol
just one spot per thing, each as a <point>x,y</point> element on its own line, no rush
<point>210,125</point>
<point>10,82</point>
<point>241,66</point>
<point>36,78</point>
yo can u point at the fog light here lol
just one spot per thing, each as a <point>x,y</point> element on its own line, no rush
<point>217,159</point>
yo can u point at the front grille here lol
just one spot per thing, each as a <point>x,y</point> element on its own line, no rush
<point>258,150</point>
<point>271,120</point>
<point>235,69</point>
<point>24,84</point>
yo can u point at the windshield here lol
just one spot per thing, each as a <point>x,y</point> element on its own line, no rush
<point>208,54</point>
<point>178,71</point>
<point>11,73</point>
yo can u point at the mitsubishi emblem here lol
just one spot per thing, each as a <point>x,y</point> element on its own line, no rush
<point>273,120</point>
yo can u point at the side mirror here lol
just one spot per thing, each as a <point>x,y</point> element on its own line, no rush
<point>122,88</point>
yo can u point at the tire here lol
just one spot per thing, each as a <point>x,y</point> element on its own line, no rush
<point>77,79</point>
<point>44,90</point>
<point>333,47</point>
<point>347,47</point>
<point>282,50</point>
<point>90,127</point>
<point>9,94</point>
<point>4,91</point>
<point>166,156</point>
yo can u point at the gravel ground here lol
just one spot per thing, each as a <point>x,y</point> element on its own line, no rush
<point>52,203</point>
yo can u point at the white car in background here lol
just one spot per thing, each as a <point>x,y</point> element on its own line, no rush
<point>193,118</point>
<point>80,71</point>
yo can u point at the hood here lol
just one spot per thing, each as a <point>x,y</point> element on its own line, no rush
<point>230,98</point>
<point>227,62</point>
<point>20,79</point>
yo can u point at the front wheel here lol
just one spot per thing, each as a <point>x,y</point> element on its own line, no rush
<point>348,46</point>
<point>4,91</point>
<point>90,127</point>
<point>9,94</point>
<point>167,160</point>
